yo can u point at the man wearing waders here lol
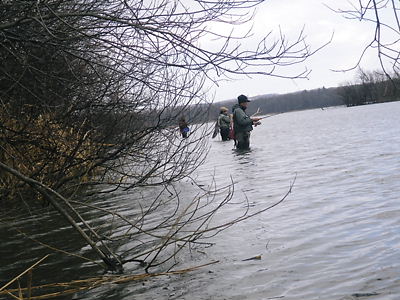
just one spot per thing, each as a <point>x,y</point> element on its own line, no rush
<point>242,123</point>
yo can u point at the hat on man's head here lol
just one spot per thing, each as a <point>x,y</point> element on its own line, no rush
<point>242,99</point>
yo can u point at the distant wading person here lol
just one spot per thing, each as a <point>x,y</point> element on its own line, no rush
<point>224,122</point>
<point>242,123</point>
<point>183,127</point>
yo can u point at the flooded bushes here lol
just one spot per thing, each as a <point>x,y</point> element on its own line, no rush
<point>43,148</point>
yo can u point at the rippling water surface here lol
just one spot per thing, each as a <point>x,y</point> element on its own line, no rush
<point>337,235</point>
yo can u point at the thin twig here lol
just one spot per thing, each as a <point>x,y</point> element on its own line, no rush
<point>24,272</point>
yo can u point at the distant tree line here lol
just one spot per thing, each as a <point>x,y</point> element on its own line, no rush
<point>307,99</point>
<point>371,87</point>
<point>278,103</point>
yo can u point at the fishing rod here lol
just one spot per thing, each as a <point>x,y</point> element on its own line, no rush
<point>261,118</point>
<point>269,116</point>
<point>259,111</point>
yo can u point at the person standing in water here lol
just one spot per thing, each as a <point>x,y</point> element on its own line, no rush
<point>224,122</point>
<point>183,127</point>
<point>242,123</point>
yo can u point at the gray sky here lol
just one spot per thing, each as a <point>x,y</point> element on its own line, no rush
<point>349,39</point>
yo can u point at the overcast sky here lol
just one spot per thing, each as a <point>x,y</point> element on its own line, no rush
<point>349,39</point>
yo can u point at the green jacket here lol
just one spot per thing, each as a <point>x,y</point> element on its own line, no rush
<point>241,121</point>
<point>224,121</point>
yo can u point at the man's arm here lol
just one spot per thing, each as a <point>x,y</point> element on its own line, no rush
<point>242,119</point>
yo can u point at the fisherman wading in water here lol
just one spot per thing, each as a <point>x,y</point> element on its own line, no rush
<point>224,121</point>
<point>242,123</point>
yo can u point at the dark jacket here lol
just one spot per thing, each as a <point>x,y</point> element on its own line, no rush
<point>182,124</point>
<point>241,121</point>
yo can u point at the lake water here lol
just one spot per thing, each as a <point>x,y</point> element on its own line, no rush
<point>335,237</point>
